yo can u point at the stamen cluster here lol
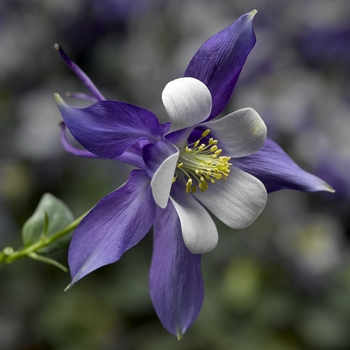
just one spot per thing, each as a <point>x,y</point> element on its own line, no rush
<point>201,163</point>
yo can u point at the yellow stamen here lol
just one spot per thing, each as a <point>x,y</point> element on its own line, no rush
<point>206,133</point>
<point>188,185</point>
<point>201,164</point>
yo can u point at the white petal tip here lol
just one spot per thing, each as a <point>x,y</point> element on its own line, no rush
<point>201,241</point>
<point>187,101</point>
<point>162,180</point>
<point>200,247</point>
<point>199,231</point>
<point>237,201</point>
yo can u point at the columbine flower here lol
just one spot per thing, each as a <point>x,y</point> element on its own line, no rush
<point>193,164</point>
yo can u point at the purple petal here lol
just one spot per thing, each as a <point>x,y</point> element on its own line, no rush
<point>165,127</point>
<point>80,74</point>
<point>114,225</point>
<point>219,61</point>
<point>132,158</point>
<point>108,128</point>
<point>176,284</point>
<point>277,171</point>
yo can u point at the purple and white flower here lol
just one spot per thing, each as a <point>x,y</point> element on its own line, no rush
<point>184,168</point>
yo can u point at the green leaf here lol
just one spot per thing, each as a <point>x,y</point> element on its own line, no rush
<point>50,216</point>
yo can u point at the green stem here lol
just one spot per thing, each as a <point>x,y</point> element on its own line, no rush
<point>7,256</point>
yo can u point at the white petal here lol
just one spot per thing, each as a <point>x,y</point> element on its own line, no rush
<point>236,201</point>
<point>198,228</point>
<point>163,179</point>
<point>187,102</point>
<point>239,133</point>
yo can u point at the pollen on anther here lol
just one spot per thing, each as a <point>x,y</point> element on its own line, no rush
<point>188,185</point>
<point>206,133</point>
<point>202,164</point>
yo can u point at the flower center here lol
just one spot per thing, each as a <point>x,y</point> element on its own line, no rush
<point>201,163</point>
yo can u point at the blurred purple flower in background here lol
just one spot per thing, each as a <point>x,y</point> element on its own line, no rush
<point>122,9</point>
<point>312,44</point>
<point>180,161</point>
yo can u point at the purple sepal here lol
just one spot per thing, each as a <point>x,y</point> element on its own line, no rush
<point>219,61</point>
<point>277,171</point>
<point>154,155</point>
<point>108,128</point>
<point>131,156</point>
<point>176,283</point>
<point>118,222</point>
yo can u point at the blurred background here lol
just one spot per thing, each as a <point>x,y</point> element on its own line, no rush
<point>281,284</point>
